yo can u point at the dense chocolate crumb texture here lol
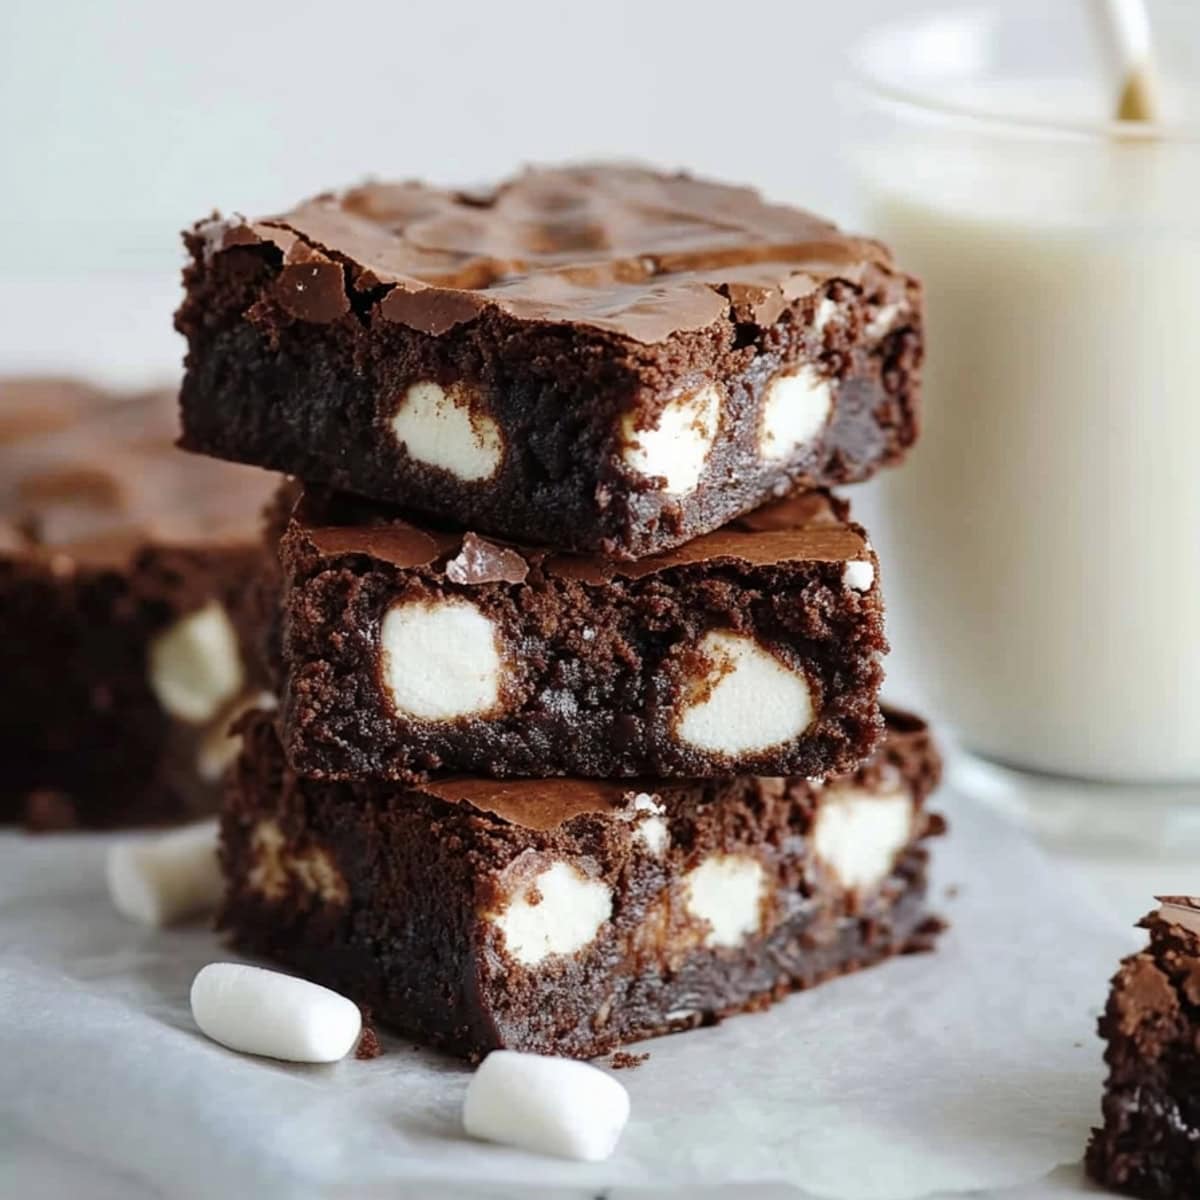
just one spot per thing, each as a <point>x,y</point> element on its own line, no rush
<point>601,358</point>
<point>124,568</point>
<point>1149,1144</point>
<point>568,916</point>
<point>411,650</point>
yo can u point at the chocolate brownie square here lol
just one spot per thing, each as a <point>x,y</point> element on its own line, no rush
<point>602,358</point>
<point>411,649</point>
<point>129,630</point>
<point>1149,1144</point>
<point>569,916</point>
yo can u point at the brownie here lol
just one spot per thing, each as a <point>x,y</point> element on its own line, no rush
<point>410,650</point>
<point>1149,1144</point>
<point>601,358</point>
<point>129,638</point>
<point>569,916</point>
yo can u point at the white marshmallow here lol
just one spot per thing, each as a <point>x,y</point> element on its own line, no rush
<point>160,880</point>
<point>219,747</point>
<point>860,834</point>
<point>795,408</point>
<point>652,830</point>
<point>883,320</point>
<point>546,1105</point>
<point>747,700</point>
<point>726,890</point>
<point>566,918</point>
<point>439,428</point>
<point>677,447</point>
<point>256,1011</point>
<point>825,312</point>
<point>195,666</point>
<point>859,574</point>
<point>440,659</point>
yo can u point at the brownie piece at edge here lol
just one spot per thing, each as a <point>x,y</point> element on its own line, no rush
<point>411,650</point>
<point>438,907</point>
<point>124,575</point>
<point>604,358</point>
<point>1149,1143</point>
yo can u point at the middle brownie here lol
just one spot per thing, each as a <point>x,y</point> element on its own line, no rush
<point>411,650</point>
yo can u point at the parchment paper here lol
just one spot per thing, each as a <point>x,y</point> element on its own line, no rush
<point>973,1069</point>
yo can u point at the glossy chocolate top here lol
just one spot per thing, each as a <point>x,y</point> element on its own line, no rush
<point>812,527</point>
<point>623,249</point>
<point>90,477</point>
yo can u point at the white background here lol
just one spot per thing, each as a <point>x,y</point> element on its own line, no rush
<point>122,121</point>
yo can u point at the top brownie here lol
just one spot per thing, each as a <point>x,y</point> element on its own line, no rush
<point>601,358</point>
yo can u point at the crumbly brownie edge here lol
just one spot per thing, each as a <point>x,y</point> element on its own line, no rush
<point>351,884</point>
<point>1149,1143</point>
<point>315,399</point>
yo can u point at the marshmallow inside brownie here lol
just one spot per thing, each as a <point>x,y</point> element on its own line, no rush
<point>127,576</point>
<point>602,358</point>
<point>412,650</point>
<point>567,916</point>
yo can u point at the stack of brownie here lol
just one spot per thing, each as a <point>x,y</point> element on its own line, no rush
<point>579,737</point>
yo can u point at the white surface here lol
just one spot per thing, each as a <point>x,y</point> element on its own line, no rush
<point>747,699</point>
<point>795,408</point>
<point>859,833</point>
<point>441,659</point>
<point>547,1105</point>
<point>439,428</point>
<point>676,448</point>
<point>977,1067</point>
<point>726,890</point>
<point>167,877</point>
<point>568,914</point>
<point>263,1012</point>
<point>195,665</point>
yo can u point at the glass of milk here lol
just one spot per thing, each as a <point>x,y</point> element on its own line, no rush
<point>1042,544</point>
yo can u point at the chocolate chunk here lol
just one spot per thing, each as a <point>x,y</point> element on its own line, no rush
<point>481,561</point>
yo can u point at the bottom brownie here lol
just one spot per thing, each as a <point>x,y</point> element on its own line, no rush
<point>568,916</point>
<point>1149,1144</point>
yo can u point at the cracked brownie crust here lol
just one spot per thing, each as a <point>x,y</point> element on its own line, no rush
<point>571,916</point>
<point>603,358</point>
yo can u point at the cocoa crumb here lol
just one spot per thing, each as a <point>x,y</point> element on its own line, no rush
<point>622,1060</point>
<point>368,1042</point>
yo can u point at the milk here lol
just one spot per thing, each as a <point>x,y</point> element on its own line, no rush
<point>1041,547</point>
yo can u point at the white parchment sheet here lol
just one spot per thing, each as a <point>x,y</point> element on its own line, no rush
<point>974,1068</point>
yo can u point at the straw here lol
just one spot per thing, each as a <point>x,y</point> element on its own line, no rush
<point>1125,26</point>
